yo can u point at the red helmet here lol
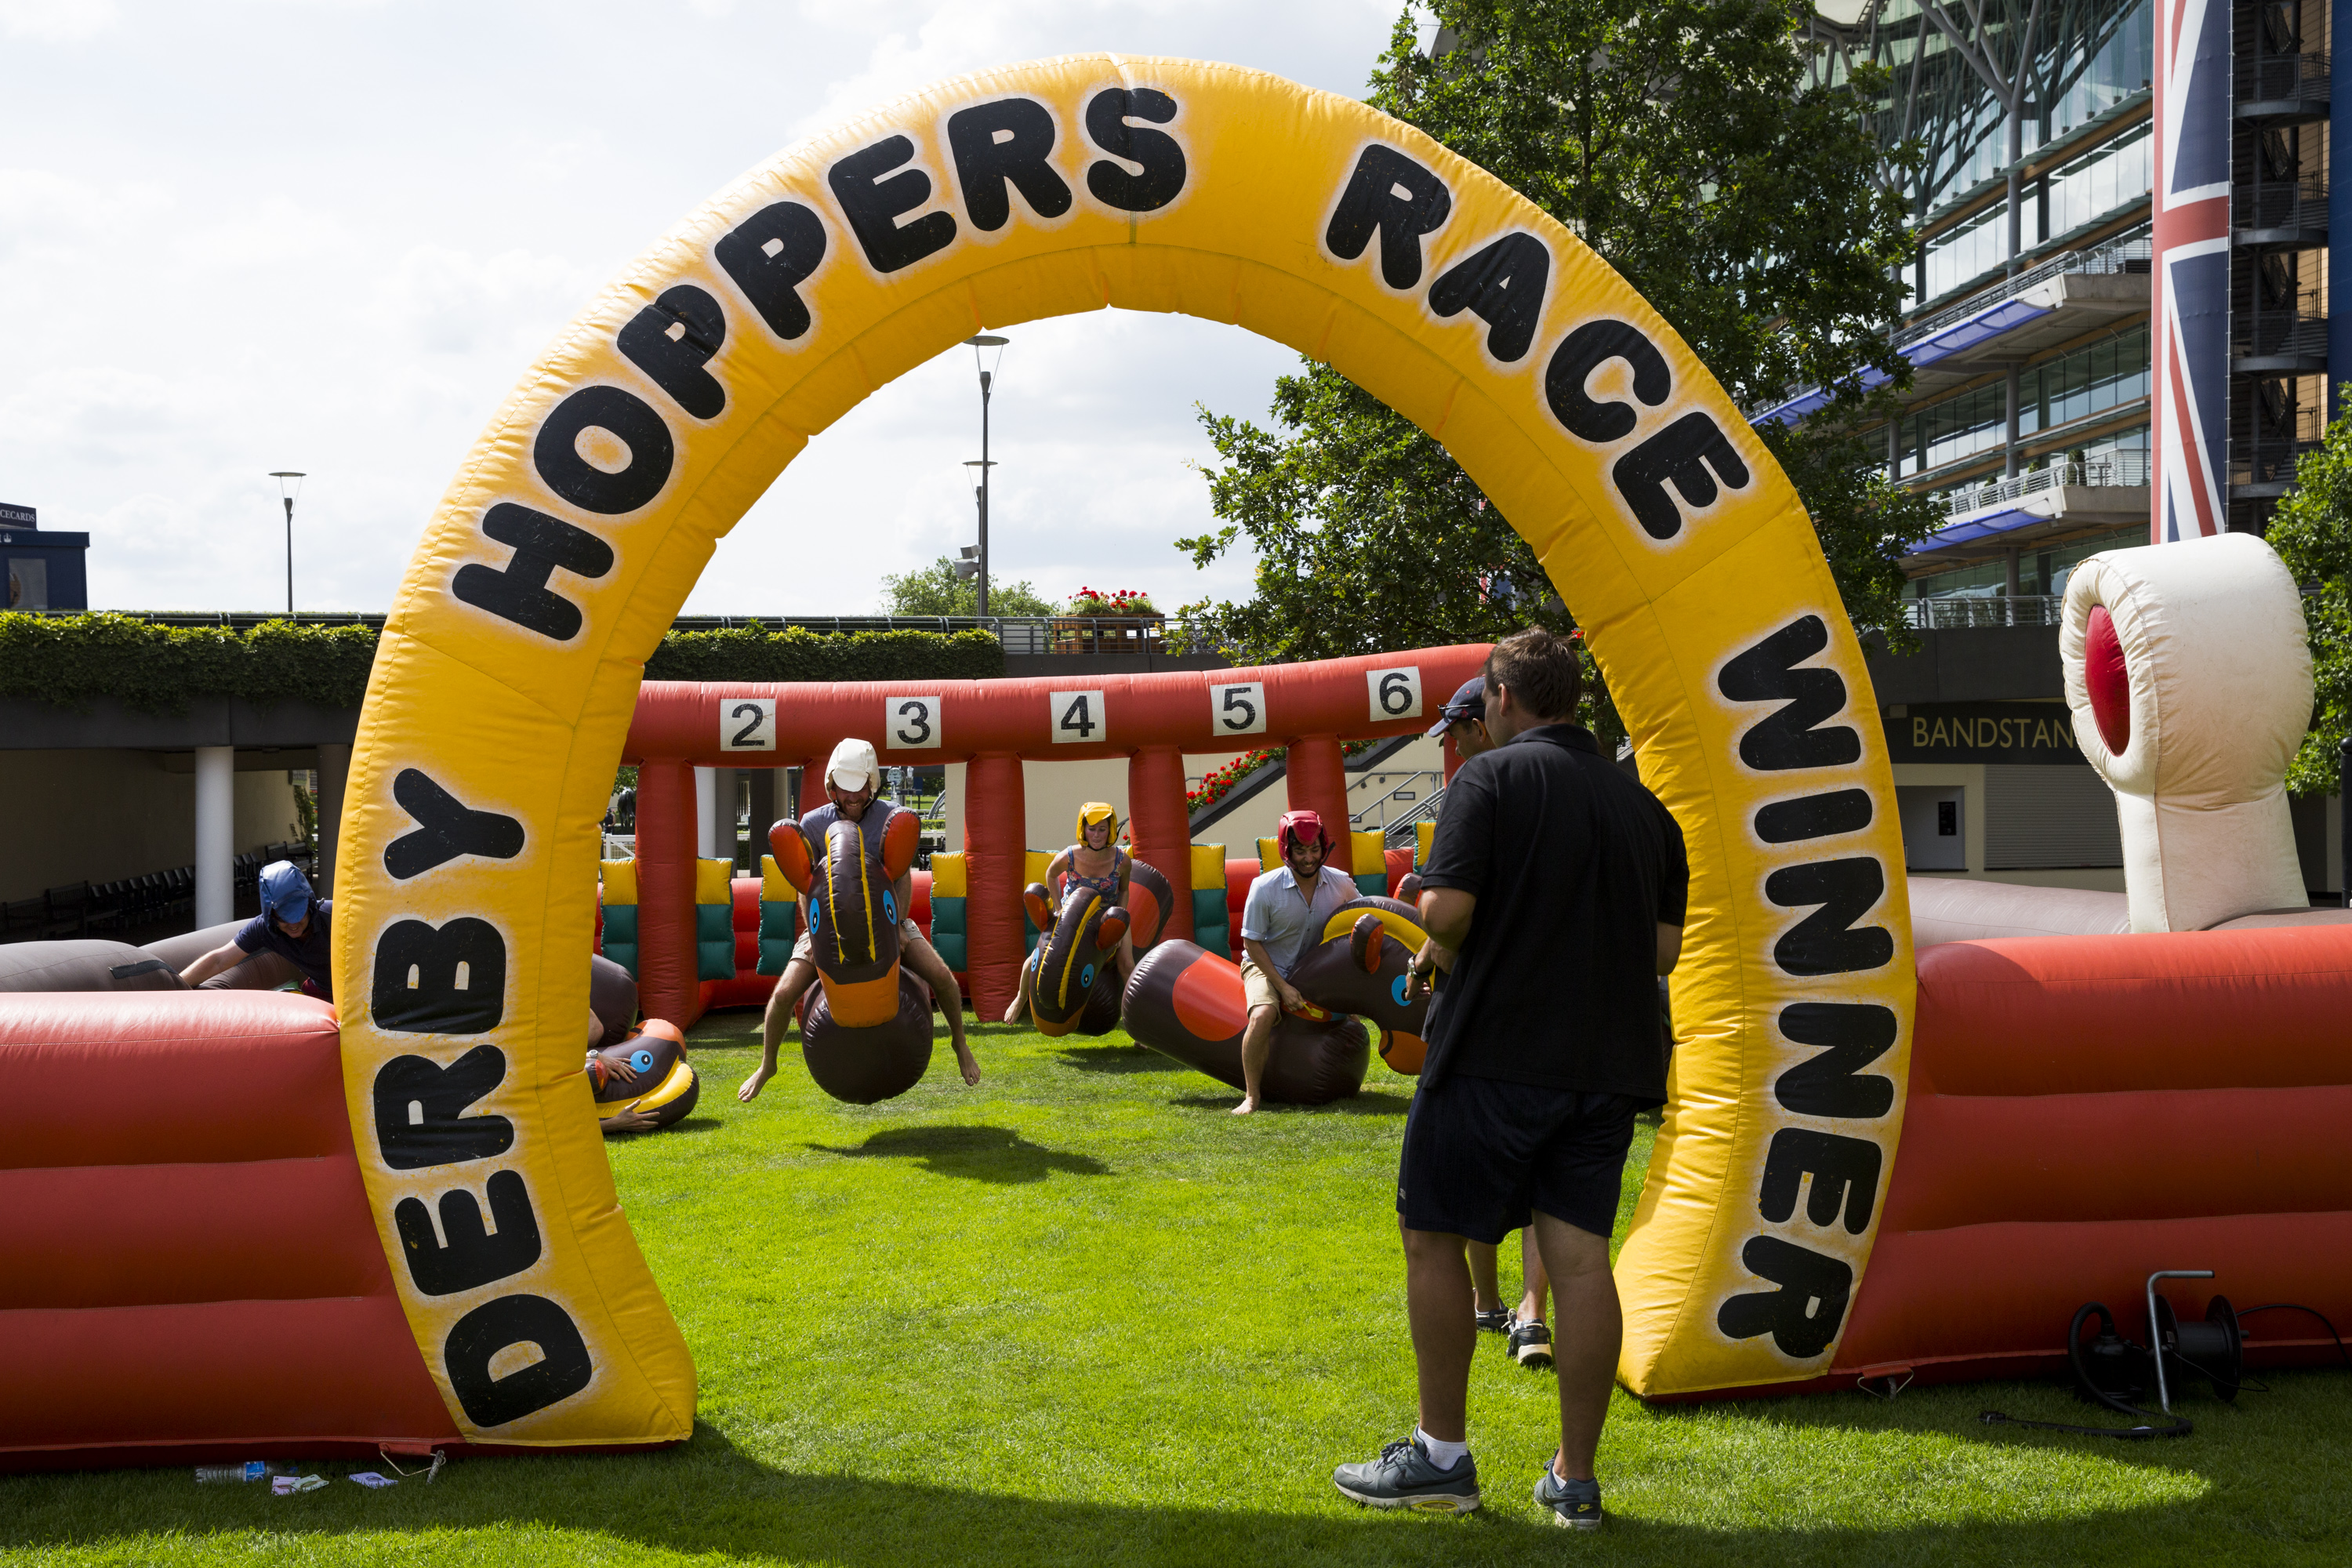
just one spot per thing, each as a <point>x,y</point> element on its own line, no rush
<point>1298,828</point>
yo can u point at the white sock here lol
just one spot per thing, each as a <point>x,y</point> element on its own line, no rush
<point>1442,1453</point>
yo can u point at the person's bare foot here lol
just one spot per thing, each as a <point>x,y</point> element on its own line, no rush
<point>964,1062</point>
<point>1248,1104</point>
<point>753,1085</point>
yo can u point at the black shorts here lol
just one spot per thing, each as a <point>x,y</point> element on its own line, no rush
<point>1480,1155</point>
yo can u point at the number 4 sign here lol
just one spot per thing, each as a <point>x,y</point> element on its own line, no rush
<point>1076,717</point>
<point>911,724</point>
<point>747,724</point>
<point>1395,693</point>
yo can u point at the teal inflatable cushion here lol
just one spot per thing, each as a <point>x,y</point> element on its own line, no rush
<point>621,926</point>
<point>715,959</point>
<point>714,922</point>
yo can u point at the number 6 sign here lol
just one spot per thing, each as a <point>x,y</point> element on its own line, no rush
<point>1395,693</point>
<point>1238,709</point>
<point>747,724</point>
<point>911,724</point>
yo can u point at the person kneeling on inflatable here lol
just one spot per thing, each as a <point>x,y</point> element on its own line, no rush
<point>850,780</point>
<point>643,1079</point>
<point>291,923</point>
<point>1280,919</point>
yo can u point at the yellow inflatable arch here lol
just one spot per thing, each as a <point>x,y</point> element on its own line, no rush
<point>510,662</point>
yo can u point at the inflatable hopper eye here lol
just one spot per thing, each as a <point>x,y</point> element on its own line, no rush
<point>1040,906</point>
<point>1113,927</point>
<point>790,845</point>
<point>889,909</point>
<point>901,836</point>
<point>1366,939</point>
<point>641,1060</point>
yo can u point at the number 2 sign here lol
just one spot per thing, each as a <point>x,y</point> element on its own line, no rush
<point>747,724</point>
<point>1238,709</point>
<point>1395,693</point>
<point>911,724</point>
<point>1076,717</point>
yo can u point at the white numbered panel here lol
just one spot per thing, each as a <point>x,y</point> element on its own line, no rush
<point>1396,693</point>
<point>1238,709</point>
<point>911,724</point>
<point>1076,717</point>
<point>747,724</point>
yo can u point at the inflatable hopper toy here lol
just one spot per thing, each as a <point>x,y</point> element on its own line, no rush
<point>665,1087</point>
<point>1359,967</point>
<point>867,1027</point>
<point>1074,972</point>
<point>1188,1003</point>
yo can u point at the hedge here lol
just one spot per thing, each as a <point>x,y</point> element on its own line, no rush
<point>75,660</point>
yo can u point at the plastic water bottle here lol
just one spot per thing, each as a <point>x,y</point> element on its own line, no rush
<point>223,1475</point>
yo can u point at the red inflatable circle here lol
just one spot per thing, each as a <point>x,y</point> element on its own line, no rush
<point>2108,680</point>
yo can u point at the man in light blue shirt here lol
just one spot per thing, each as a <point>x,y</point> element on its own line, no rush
<point>1280,919</point>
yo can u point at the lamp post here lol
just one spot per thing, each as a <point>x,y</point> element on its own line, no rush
<point>288,495</point>
<point>980,347</point>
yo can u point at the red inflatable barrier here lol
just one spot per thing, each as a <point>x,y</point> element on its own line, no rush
<point>192,1272</point>
<point>2087,1110</point>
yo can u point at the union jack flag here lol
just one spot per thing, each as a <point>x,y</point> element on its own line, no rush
<point>2191,351</point>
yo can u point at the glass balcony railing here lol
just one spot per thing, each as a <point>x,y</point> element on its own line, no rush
<point>2129,467</point>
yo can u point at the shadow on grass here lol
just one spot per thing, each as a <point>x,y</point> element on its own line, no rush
<point>1369,1103</point>
<point>707,1498</point>
<point>1120,1059</point>
<point>980,1153</point>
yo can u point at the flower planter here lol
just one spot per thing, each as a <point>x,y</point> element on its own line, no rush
<point>1105,634</point>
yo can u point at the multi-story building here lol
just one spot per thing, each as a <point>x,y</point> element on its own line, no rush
<point>2119,335</point>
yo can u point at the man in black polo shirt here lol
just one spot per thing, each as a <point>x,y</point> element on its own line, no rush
<point>1559,883</point>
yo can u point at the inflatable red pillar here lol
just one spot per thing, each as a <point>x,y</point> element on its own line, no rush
<point>1317,776</point>
<point>667,983</point>
<point>996,864</point>
<point>1163,828</point>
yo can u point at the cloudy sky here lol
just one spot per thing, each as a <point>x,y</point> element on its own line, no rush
<point>238,235</point>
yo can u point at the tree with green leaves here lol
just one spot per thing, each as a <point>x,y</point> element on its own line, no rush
<point>938,590</point>
<point>2311,532</point>
<point>1687,142</point>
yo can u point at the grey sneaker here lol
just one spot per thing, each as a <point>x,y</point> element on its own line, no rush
<point>1404,1476</point>
<point>1529,1345</point>
<point>1576,1505</point>
<point>1497,1321</point>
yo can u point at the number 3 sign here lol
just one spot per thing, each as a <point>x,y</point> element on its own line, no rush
<point>1396,693</point>
<point>911,724</point>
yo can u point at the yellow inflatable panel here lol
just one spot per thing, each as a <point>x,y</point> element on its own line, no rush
<point>1369,850</point>
<point>620,881</point>
<point>1036,862</point>
<point>947,874</point>
<point>774,887</point>
<point>1208,866</point>
<point>1269,854</point>
<point>1425,834</point>
<point>714,881</point>
<point>505,678</point>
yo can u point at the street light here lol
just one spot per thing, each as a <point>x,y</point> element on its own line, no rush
<point>980,347</point>
<point>282,475</point>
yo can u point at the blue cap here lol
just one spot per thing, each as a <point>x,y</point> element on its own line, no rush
<point>285,891</point>
<point>1468,702</point>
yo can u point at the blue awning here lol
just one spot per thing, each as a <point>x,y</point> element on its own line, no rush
<point>1981,526</point>
<point>1972,331</point>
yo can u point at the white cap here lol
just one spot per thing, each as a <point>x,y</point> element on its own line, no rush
<point>853,766</point>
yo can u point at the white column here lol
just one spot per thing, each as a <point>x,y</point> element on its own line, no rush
<point>334,768</point>
<point>215,835</point>
<point>706,812</point>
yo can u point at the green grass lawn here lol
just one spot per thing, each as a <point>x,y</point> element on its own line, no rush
<point>1080,1314</point>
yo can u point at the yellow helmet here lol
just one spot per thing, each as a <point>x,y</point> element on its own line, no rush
<point>1096,811</point>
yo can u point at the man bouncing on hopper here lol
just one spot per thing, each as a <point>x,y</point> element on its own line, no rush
<point>850,777</point>
<point>1281,918</point>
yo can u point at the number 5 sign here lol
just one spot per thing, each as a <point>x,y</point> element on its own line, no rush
<point>1238,709</point>
<point>911,724</point>
<point>747,724</point>
<point>1396,693</point>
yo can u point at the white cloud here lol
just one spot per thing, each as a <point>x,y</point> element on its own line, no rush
<point>55,21</point>
<point>323,237</point>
